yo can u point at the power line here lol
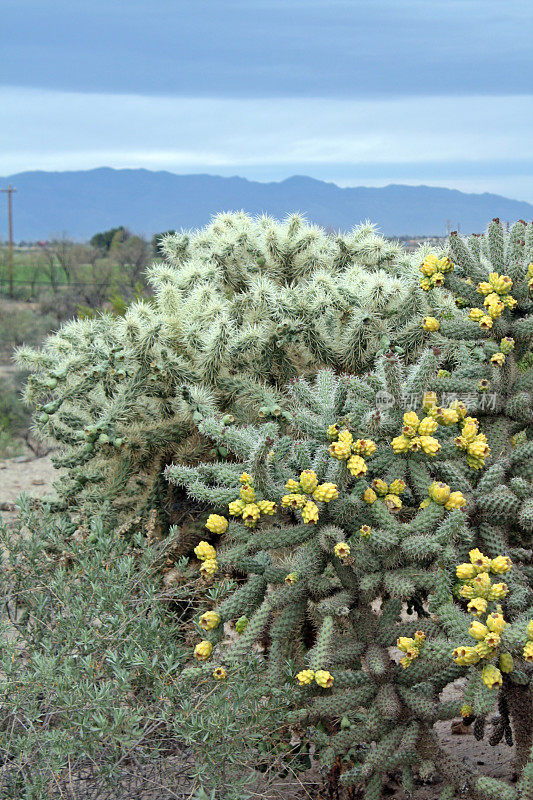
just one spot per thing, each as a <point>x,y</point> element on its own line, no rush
<point>9,191</point>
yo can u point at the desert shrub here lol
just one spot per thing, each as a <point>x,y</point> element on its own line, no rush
<point>239,308</point>
<point>377,501</point>
<point>92,703</point>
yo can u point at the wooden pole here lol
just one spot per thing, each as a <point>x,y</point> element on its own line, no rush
<point>9,191</point>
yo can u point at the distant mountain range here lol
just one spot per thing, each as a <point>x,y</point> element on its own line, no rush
<point>82,203</point>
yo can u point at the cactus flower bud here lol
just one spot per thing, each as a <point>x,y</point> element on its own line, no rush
<point>324,678</point>
<point>203,650</point>
<point>210,620</point>
<point>216,524</point>
<point>305,677</point>
<point>491,677</point>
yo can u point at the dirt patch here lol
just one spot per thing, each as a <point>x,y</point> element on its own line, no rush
<point>24,474</point>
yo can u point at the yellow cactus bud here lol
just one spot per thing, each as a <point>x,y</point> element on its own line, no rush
<point>495,622</point>
<point>245,478</point>
<point>267,507</point>
<point>467,591</point>
<point>380,487</point>
<point>455,500</point>
<point>220,674</point>
<point>477,630</point>
<point>332,431</point>
<point>326,492</point>
<point>480,562</point>
<point>485,288</point>
<point>476,314</point>
<point>404,643</point>
<point>427,426</point>
<point>477,606</point>
<point>484,650</point>
<point>492,639</point>
<point>393,502</point>
<point>485,323</point>
<point>506,663</point>
<point>364,447</point>
<point>346,437</point>
<point>420,638</point>
<point>529,630</point>
<point>291,578</point>
<point>292,486</point>
<point>478,449</point>
<point>365,531</point>
<point>204,550</point>
<point>466,711</point>
<point>340,450</point>
<point>465,571</point>
<point>397,486</point>
<point>528,652</point>
<point>507,345</point>
<point>430,324</point>
<point>310,513</point>
<point>293,501</point>
<point>247,493</point>
<point>203,650</point>
<point>491,676</point>
<point>216,524</point>
<point>370,496</point>
<point>411,419</point>
<point>400,444</point>
<point>498,359</point>
<point>342,550</point>
<point>250,514</point>
<point>448,416</point>
<point>210,620</point>
<point>305,677</point>
<point>482,583</point>
<point>235,508</point>
<point>357,466</point>
<point>308,481</point>
<point>324,678</point>
<point>429,445</point>
<point>439,492</point>
<point>500,565</point>
<point>209,567</point>
<point>498,591</point>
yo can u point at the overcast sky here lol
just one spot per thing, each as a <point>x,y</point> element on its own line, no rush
<point>360,92</point>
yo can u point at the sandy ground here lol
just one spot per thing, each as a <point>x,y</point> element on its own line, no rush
<point>35,476</point>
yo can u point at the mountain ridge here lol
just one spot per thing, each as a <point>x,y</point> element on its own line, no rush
<point>82,202</point>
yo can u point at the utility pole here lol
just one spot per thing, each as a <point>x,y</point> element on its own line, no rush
<point>9,191</point>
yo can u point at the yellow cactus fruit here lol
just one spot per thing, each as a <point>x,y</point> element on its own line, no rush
<point>498,591</point>
<point>411,419</point>
<point>478,449</point>
<point>479,561</point>
<point>400,444</point>
<point>495,622</point>
<point>292,486</point>
<point>342,550</point>
<point>495,310</point>
<point>220,674</point>
<point>470,656</point>
<point>404,643</point>
<point>267,507</point>
<point>412,653</point>
<point>429,400</point>
<point>437,279</point>
<point>429,265</point>
<point>485,288</point>
<point>420,638</point>
<point>414,444</point>
<point>492,639</point>
<point>467,591</point>
<point>528,652</point>
<point>427,426</point>
<point>204,550</point>
<point>484,650</point>
<point>470,429</point>
<point>247,493</point>
<point>393,502</point>
<point>380,487</point>
<point>340,450</point>
<point>529,630</point>
<point>210,620</point>
<point>293,501</point>
<point>405,662</point>
<point>460,407</point>
<point>491,676</point>
<point>250,515</point>
<point>448,416</point>
<point>291,578</point>
<point>310,513</point>
<point>364,447</point>
<point>308,481</point>
<point>365,531</point>
<point>482,583</point>
<point>430,324</point>
<point>477,606</point>
<point>478,631</point>
<point>498,359</point>
<point>446,264</point>
<point>506,663</point>
<point>466,711</point>
<point>507,345</point>
<point>245,478</point>
<point>209,567</point>
<point>397,486</point>
<point>369,496</point>
<point>476,314</point>
<point>305,677</point>
<point>501,283</point>
<point>485,323</point>
<point>332,431</point>
<point>439,492</point>
<point>356,466</point>
<point>500,565</point>
<point>203,650</point>
<point>465,571</point>
<point>326,492</point>
<point>455,500</point>
<point>425,284</point>
<point>216,524</point>
<point>530,270</point>
<point>346,437</point>
<point>429,445</point>
<point>324,678</point>
<point>491,298</point>
<point>235,508</point>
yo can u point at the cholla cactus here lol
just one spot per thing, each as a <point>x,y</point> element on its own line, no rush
<point>386,525</point>
<point>239,308</point>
